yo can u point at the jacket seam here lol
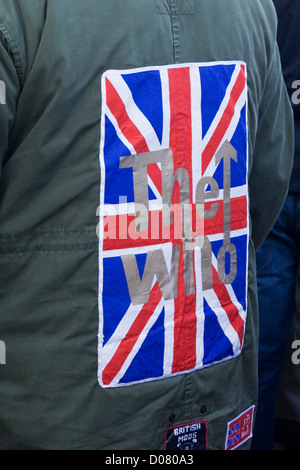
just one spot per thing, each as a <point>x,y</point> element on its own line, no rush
<point>13,48</point>
<point>32,233</point>
<point>175,29</point>
<point>48,251</point>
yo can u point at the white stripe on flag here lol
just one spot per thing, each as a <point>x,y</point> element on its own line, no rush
<point>134,113</point>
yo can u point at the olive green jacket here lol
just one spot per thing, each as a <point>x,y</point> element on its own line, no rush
<point>53,54</point>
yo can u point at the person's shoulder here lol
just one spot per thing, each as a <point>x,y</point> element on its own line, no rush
<point>259,16</point>
<point>263,9</point>
<point>250,14</point>
<point>21,26</point>
<point>256,9</point>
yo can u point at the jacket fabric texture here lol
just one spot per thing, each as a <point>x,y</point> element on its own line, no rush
<point>60,63</point>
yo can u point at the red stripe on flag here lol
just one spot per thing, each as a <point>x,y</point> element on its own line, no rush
<point>128,343</point>
<point>185,320</point>
<point>231,310</point>
<point>130,131</point>
<point>224,122</point>
<point>238,220</point>
<point>120,233</point>
<point>128,128</point>
<point>154,172</point>
<point>184,357</point>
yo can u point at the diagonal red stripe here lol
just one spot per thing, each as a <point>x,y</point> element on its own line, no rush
<point>231,310</point>
<point>127,344</point>
<point>128,128</point>
<point>225,120</point>
<point>155,174</point>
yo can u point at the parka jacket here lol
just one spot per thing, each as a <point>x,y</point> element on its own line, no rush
<point>146,148</point>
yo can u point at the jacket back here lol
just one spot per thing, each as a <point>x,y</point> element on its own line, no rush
<point>125,341</point>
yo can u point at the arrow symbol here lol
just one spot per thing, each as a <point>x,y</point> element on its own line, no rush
<point>227,152</point>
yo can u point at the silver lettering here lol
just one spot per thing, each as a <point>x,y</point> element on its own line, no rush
<point>206,189</point>
<point>227,152</point>
<point>139,165</point>
<point>155,266</point>
<point>202,194</point>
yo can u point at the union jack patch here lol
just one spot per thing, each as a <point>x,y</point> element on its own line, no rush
<point>173,220</point>
<point>240,429</point>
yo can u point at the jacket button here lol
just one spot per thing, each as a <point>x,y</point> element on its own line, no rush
<point>172,417</point>
<point>203,409</point>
